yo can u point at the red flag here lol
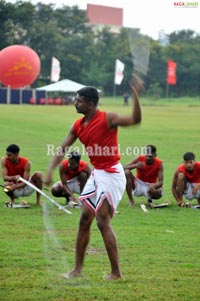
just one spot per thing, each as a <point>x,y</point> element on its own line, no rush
<point>171,73</point>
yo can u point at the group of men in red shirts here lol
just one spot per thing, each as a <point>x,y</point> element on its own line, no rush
<point>74,173</point>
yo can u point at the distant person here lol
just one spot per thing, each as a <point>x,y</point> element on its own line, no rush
<point>14,166</point>
<point>74,174</point>
<point>70,99</point>
<point>126,99</point>
<point>98,131</point>
<point>186,180</point>
<point>148,181</point>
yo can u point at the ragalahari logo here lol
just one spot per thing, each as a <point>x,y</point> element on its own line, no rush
<point>22,66</point>
<point>182,4</point>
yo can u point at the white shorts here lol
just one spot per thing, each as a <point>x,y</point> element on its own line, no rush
<point>25,191</point>
<point>73,184</point>
<point>188,192</point>
<point>141,188</point>
<point>20,192</point>
<point>104,185</point>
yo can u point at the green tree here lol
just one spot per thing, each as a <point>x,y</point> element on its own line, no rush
<point>89,56</point>
<point>184,49</point>
<point>6,13</point>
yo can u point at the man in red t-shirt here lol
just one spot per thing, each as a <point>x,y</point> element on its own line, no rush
<point>74,173</point>
<point>148,181</point>
<point>186,180</point>
<point>98,132</point>
<point>14,166</point>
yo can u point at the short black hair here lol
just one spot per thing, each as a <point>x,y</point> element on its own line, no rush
<point>75,156</point>
<point>151,149</point>
<point>89,94</point>
<point>13,148</point>
<point>189,156</point>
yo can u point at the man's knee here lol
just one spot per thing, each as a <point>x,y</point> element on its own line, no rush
<point>181,182</point>
<point>56,190</point>
<point>86,219</point>
<point>37,176</point>
<point>129,177</point>
<point>104,215</point>
<point>127,173</point>
<point>83,177</point>
<point>181,176</point>
<point>130,182</point>
<point>101,224</point>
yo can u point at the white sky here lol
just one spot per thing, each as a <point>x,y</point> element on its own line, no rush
<point>150,16</point>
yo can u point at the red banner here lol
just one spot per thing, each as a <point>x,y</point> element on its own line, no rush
<point>171,73</point>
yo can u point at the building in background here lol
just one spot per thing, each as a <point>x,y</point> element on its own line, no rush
<point>100,16</point>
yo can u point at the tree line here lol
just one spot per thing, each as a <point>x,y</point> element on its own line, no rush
<point>89,56</point>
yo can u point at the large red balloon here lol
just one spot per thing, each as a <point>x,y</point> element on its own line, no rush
<point>19,66</point>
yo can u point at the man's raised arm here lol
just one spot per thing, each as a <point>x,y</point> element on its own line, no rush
<point>115,120</point>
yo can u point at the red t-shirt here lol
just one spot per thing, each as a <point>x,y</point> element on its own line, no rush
<point>18,169</point>
<point>192,177</point>
<point>73,173</point>
<point>148,173</point>
<point>100,141</point>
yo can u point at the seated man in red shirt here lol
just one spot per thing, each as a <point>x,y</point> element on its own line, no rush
<point>74,173</point>
<point>14,166</point>
<point>186,180</point>
<point>148,181</point>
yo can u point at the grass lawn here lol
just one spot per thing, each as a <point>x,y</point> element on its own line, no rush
<point>159,251</point>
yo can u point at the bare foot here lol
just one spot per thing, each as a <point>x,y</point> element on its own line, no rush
<point>71,274</point>
<point>151,205</point>
<point>113,277</point>
<point>24,202</point>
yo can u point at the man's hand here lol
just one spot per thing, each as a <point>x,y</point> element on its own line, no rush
<point>195,189</point>
<point>136,84</point>
<point>47,179</point>
<point>8,188</point>
<point>72,198</point>
<point>140,164</point>
<point>16,178</point>
<point>183,204</point>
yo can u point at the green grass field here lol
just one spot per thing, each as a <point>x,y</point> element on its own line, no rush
<point>159,251</point>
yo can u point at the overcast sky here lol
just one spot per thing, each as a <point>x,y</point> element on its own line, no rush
<point>150,16</point>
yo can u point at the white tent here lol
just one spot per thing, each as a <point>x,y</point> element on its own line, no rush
<point>65,85</point>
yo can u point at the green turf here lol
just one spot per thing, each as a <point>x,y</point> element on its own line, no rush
<point>159,251</point>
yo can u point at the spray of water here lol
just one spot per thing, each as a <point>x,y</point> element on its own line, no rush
<point>55,252</point>
<point>140,50</point>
